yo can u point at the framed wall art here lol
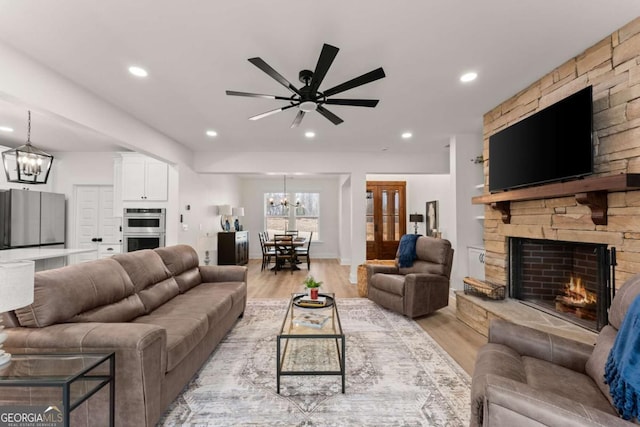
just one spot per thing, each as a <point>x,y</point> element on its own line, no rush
<point>432,218</point>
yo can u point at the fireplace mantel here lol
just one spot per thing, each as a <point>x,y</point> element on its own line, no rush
<point>589,191</point>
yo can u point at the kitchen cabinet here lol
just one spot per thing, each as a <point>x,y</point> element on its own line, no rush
<point>107,250</point>
<point>144,178</point>
<point>475,256</point>
<point>233,248</point>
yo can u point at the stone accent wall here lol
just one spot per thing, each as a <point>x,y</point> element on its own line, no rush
<point>612,67</point>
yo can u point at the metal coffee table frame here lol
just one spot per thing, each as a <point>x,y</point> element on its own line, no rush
<point>65,380</point>
<point>332,330</point>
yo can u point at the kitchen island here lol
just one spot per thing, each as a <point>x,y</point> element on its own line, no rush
<point>45,258</point>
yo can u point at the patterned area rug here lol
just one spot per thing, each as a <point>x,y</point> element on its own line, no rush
<point>396,375</point>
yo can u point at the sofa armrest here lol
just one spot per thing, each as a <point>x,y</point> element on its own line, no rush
<point>510,403</point>
<point>425,293</point>
<point>223,273</point>
<point>380,268</point>
<point>140,359</point>
<point>541,345</point>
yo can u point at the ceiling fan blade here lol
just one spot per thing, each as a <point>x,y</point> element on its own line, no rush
<point>353,102</point>
<point>257,95</point>
<point>325,60</point>
<point>269,113</point>
<point>329,115</point>
<point>358,81</point>
<point>298,119</point>
<point>258,62</point>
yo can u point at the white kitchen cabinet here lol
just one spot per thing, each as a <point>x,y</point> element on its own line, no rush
<point>144,178</point>
<point>106,250</point>
<point>475,256</point>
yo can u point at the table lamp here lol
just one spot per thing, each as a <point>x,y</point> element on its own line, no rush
<point>16,291</point>
<point>237,212</point>
<point>224,211</point>
<point>416,218</point>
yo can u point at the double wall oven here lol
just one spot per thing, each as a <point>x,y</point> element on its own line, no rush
<point>143,228</point>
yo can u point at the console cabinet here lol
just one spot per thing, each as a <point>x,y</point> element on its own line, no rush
<point>233,248</point>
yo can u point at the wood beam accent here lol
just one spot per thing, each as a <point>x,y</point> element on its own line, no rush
<point>589,191</point>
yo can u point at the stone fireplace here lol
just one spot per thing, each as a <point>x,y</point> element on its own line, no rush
<point>601,209</point>
<point>571,280</point>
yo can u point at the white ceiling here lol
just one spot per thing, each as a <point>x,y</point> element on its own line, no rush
<point>194,50</point>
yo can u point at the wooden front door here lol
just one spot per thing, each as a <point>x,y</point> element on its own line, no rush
<point>386,218</point>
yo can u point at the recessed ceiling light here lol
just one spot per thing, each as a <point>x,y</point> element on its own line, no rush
<point>138,71</point>
<point>406,135</point>
<point>309,134</point>
<point>212,133</point>
<point>468,77</point>
<point>6,129</point>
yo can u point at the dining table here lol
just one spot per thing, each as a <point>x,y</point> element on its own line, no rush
<point>287,247</point>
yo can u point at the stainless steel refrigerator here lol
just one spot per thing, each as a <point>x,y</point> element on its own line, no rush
<point>52,218</point>
<point>31,218</point>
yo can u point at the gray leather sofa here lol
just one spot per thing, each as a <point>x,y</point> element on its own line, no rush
<point>417,290</point>
<point>525,377</point>
<point>158,310</point>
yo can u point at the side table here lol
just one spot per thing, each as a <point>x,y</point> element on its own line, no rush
<point>78,376</point>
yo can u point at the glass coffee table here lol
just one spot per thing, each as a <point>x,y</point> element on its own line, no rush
<point>78,376</point>
<point>311,340</point>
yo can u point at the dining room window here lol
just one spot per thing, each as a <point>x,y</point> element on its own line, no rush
<point>297,211</point>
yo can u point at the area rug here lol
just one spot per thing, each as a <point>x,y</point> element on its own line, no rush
<point>397,375</point>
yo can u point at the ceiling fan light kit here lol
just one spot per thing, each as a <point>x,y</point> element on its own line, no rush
<point>309,98</point>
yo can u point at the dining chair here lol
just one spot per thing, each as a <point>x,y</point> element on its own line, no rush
<point>267,251</point>
<point>292,233</point>
<point>303,251</point>
<point>285,252</point>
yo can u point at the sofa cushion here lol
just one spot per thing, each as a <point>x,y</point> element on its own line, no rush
<point>182,261</point>
<point>549,377</point>
<point>157,294</point>
<point>184,331</point>
<point>432,256</point>
<point>392,283</point>
<point>598,359</point>
<point>623,299</point>
<point>145,268</point>
<point>61,294</point>
<point>122,311</point>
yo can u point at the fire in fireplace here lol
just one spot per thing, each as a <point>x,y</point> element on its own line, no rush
<point>578,300</point>
<point>572,280</point>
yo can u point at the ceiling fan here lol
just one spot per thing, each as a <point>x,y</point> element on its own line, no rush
<point>308,97</point>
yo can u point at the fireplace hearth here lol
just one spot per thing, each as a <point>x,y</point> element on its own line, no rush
<point>571,280</point>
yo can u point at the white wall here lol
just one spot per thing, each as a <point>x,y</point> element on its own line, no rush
<point>252,191</point>
<point>465,175</point>
<point>79,168</point>
<point>203,193</point>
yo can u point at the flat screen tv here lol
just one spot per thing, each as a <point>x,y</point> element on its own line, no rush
<point>553,144</point>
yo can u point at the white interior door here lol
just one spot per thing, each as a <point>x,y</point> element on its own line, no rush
<point>95,222</point>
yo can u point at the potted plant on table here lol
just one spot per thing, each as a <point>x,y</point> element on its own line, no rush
<point>312,286</point>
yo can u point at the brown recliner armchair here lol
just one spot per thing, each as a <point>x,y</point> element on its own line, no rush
<point>524,377</point>
<point>417,290</point>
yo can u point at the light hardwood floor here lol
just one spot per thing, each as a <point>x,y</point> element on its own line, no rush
<point>456,338</point>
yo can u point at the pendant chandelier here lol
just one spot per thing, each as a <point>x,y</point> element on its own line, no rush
<point>27,164</point>
<point>284,202</point>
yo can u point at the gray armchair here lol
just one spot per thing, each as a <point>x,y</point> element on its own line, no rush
<point>526,377</point>
<point>417,290</point>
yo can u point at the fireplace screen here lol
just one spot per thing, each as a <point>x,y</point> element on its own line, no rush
<point>571,280</point>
